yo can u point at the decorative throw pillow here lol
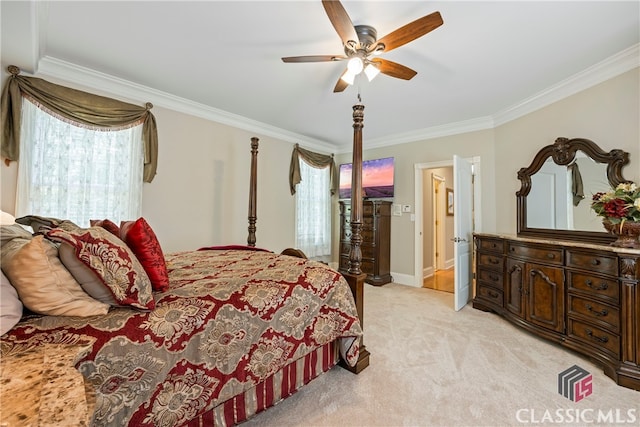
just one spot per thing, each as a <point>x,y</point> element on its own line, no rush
<point>139,236</point>
<point>108,258</point>
<point>107,224</point>
<point>90,282</point>
<point>36,222</point>
<point>10,305</point>
<point>44,284</point>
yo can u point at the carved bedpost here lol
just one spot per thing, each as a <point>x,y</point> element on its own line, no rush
<point>354,275</point>
<point>253,184</point>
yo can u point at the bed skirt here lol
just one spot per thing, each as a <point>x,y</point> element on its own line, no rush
<point>271,391</point>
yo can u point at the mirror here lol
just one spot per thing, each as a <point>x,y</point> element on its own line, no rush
<point>554,200</point>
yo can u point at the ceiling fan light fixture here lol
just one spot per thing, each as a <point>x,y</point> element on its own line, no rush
<point>348,77</point>
<point>371,71</point>
<point>378,50</point>
<point>355,65</point>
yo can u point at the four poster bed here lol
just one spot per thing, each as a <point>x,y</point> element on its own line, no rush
<point>230,332</point>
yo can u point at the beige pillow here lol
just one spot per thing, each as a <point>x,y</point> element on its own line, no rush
<point>44,285</point>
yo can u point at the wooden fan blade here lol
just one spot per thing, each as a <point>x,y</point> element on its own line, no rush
<point>394,69</point>
<point>340,84</point>
<point>411,31</point>
<point>314,58</point>
<point>340,21</point>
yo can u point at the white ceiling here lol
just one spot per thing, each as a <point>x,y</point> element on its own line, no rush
<point>486,60</point>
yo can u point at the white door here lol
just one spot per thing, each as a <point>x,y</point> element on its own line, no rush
<point>462,229</point>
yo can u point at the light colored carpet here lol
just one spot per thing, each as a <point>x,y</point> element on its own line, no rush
<point>432,366</point>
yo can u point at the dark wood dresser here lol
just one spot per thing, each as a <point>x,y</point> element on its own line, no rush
<point>376,240</point>
<point>583,296</point>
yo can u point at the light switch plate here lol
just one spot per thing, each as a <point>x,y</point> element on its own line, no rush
<point>397,209</point>
<point>406,208</point>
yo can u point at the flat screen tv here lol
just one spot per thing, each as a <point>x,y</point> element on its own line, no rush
<point>377,179</point>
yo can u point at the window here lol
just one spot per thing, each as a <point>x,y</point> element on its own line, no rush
<point>313,211</point>
<point>76,173</point>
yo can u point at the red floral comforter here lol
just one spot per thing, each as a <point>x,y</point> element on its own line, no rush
<point>230,319</point>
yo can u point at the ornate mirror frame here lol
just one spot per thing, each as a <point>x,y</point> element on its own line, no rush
<point>563,152</point>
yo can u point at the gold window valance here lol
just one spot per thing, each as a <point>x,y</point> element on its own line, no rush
<point>77,107</point>
<point>316,160</point>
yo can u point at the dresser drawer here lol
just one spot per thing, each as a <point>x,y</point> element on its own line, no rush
<point>368,235</point>
<point>495,262</point>
<point>539,253</point>
<point>490,245</point>
<point>491,277</point>
<point>594,336</point>
<point>489,293</point>
<point>368,251</point>
<point>595,312</point>
<point>605,289</point>
<point>593,262</point>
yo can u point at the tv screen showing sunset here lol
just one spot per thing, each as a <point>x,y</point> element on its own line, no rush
<point>377,179</point>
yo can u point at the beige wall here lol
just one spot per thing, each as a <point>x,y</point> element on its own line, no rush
<point>607,114</point>
<point>200,195</point>
<point>429,151</point>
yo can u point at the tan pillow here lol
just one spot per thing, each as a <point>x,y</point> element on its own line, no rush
<point>44,284</point>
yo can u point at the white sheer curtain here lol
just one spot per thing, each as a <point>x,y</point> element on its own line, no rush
<point>313,211</point>
<point>74,173</point>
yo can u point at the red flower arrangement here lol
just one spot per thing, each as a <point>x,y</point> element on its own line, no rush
<point>618,205</point>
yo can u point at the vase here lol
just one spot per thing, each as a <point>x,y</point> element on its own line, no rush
<point>628,236</point>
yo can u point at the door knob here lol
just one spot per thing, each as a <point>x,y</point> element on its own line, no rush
<point>458,239</point>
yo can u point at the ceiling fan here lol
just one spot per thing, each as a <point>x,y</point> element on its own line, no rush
<point>361,46</point>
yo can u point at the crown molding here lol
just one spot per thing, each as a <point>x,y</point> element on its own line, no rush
<point>456,128</point>
<point>65,71</point>
<point>613,66</point>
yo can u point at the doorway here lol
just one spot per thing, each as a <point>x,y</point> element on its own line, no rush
<point>426,264</point>
<point>438,271</point>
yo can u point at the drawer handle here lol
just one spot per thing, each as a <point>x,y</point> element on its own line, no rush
<point>589,332</point>
<point>602,312</point>
<point>493,277</point>
<point>493,245</point>
<point>493,294</point>
<point>595,261</point>
<point>601,287</point>
<point>550,255</point>
<point>494,261</point>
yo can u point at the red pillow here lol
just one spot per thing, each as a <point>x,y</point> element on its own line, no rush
<point>107,224</point>
<point>143,242</point>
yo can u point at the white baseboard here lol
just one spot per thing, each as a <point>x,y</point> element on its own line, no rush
<point>406,279</point>
<point>427,272</point>
<point>450,263</point>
